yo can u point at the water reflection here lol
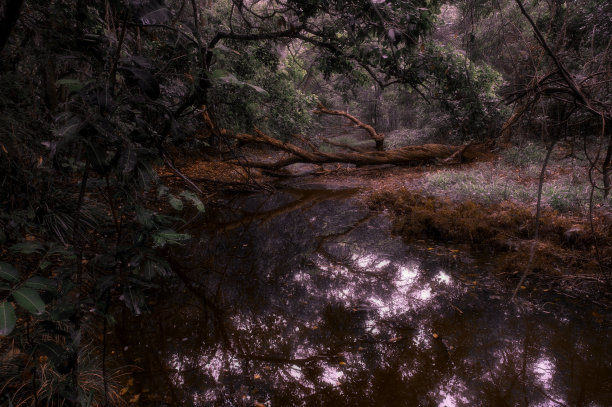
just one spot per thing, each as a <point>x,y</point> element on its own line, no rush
<point>304,298</point>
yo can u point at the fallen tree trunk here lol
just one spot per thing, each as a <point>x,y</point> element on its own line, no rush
<point>379,138</point>
<point>405,155</point>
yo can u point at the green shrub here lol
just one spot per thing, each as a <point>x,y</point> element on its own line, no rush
<point>524,156</point>
<point>565,198</point>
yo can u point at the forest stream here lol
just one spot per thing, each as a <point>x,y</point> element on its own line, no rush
<point>305,203</point>
<point>305,297</point>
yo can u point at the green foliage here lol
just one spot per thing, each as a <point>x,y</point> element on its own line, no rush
<point>255,88</point>
<point>475,185</point>
<point>524,156</point>
<point>29,300</point>
<point>80,134</point>
<point>7,318</point>
<point>567,198</point>
<point>23,292</point>
<point>467,91</point>
<point>8,273</point>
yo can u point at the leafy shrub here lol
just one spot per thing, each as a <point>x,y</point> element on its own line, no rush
<point>256,88</point>
<point>465,90</point>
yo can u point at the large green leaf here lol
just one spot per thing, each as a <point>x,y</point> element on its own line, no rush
<point>155,267</point>
<point>194,200</point>
<point>175,202</point>
<point>8,272</point>
<point>168,236</point>
<point>73,85</point>
<point>127,160</point>
<point>28,248</point>
<point>40,283</point>
<point>29,299</point>
<point>7,318</point>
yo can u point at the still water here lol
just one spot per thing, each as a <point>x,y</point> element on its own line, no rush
<point>304,297</point>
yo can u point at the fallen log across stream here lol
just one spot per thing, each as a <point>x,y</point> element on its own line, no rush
<point>404,155</point>
<point>401,156</point>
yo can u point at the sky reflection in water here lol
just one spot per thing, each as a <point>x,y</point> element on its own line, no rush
<point>305,298</point>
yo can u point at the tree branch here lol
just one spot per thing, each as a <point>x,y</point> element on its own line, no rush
<point>379,138</point>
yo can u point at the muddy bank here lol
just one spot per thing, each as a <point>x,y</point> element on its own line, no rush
<point>569,251</point>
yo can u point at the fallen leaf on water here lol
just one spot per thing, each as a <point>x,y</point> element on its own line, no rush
<point>435,335</point>
<point>430,248</point>
<point>342,363</point>
<point>523,287</point>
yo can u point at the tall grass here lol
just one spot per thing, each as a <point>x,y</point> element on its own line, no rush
<point>514,177</point>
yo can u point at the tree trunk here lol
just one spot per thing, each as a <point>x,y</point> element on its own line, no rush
<point>11,14</point>
<point>405,155</point>
<point>606,164</point>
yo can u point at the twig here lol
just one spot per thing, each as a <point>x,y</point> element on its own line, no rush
<point>537,220</point>
<point>190,183</point>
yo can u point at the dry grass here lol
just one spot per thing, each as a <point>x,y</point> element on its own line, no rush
<point>502,230</point>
